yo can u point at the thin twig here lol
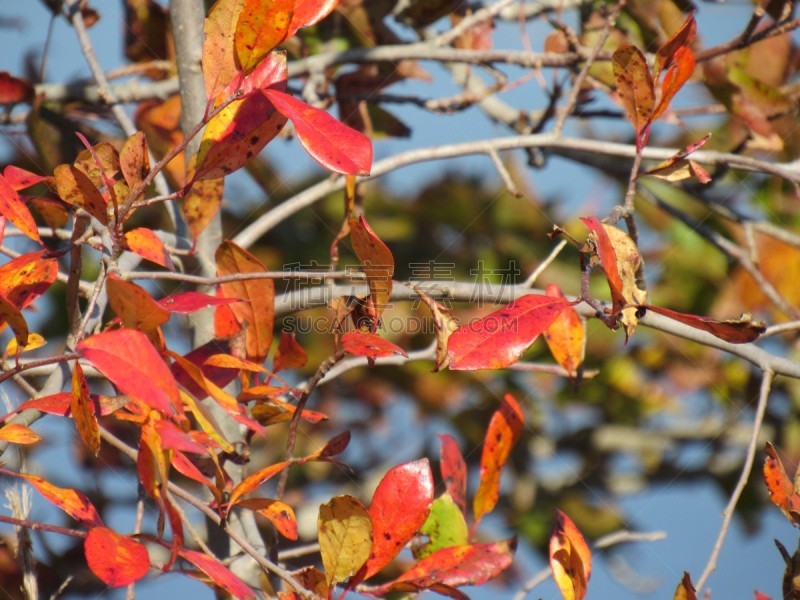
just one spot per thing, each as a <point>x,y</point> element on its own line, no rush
<point>545,263</point>
<point>727,515</point>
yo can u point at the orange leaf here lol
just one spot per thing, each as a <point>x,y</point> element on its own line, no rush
<point>77,190</point>
<point>148,245</point>
<point>635,89</point>
<point>332,144</point>
<point>219,574</point>
<point>682,39</point>
<point>262,25</point>
<point>279,514</point>
<point>399,507</point>
<point>780,486</point>
<point>361,343</point>
<point>570,558</point>
<point>219,66</point>
<point>82,409</point>
<point>503,432</point>
<point>499,339</point>
<point>17,433</point>
<point>200,204</point>
<point>566,336</point>
<point>134,305</point>
<point>27,277</point>
<point>454,471</point>
<point>256,313</point>
<point>134,162</point>
<point>251,482</point>
<point>376,261</point>
<point>290,354</point>
<point>59,404</point>
<point>11,314</point>
<point>685,589</point>
<point>132,364</point>
<point>675,77</point>
<point>226,361</point>
<point>14,209</point>
<point>242,129</point>
<point>72,502</point>
<point>115,559</point>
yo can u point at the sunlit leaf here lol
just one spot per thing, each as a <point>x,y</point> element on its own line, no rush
<point>14,209</point>
<point>262,25</point>
<point>16,433</point>
<point>11,315</point>
<point>570,558</point>
<point>376,261</point>
<point>332,144</point>
<point>676,75</point>
<point>77,190</point>
<point>148,245</point>
<point>201,203</point>
<point>501,436</point>
<point>188,302</point>
<point>219,65</point>
<point>309,12</point>
<point>27,277</point>
<point>134,161</point>
<point>72,502</point>
<point>132,364</point>
<point>134,306</point>
<point>116,560</point>
<point>256,311</point>
<point>290,354</point>
<point>566,335</point>
<point>499,339</point>
<point>635,89</point>
<point>445,527</point>
<point>252,482</point>
<point>345,537</point>
<point>20,179</point>
<point>82,409</point>
<point>399,507</point>
<point>781,489</point>
<point>219,574</point>
<point>361,343</point>
<point>279,514</point>
<point>35,341</point>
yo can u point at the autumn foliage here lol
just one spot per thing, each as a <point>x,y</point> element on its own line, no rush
<point>235,425</point>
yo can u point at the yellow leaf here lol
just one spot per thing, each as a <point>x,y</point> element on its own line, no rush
<point>345,537</point>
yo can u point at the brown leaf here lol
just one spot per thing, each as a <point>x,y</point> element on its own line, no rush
<point>635,89</point>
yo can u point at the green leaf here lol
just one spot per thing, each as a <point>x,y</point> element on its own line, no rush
<point>445,527</point>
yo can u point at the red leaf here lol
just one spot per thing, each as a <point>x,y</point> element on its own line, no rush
<point>14,209</point>
<point>456,566</point>
<point>219,377</point>
<point>780,486</point>
<point>290,354</point>
<point>370,345</point>
<point>454,471</point>
<point>59,404</point>
<point>499,339</point>
<point>72,502</point>
<point>132,364</point>
<point>309,12</point>
<point>148,245</point>
<point>503,432</point>
<point>20,178</point>
<point>185,303</point>
<point>115,559</point>
<point>334,446</point>
<point>400,505</point>
<point>332,144</point>
<point>570,558</point>
<point>174,438</point>
<point>13,89</point>
<point>607,256</point>
<point>256,312</point>
<point>735,331</point>
<point>262,25</point>
<point>219,574</point>
<point>566,336</point>
<point>635,88</point>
